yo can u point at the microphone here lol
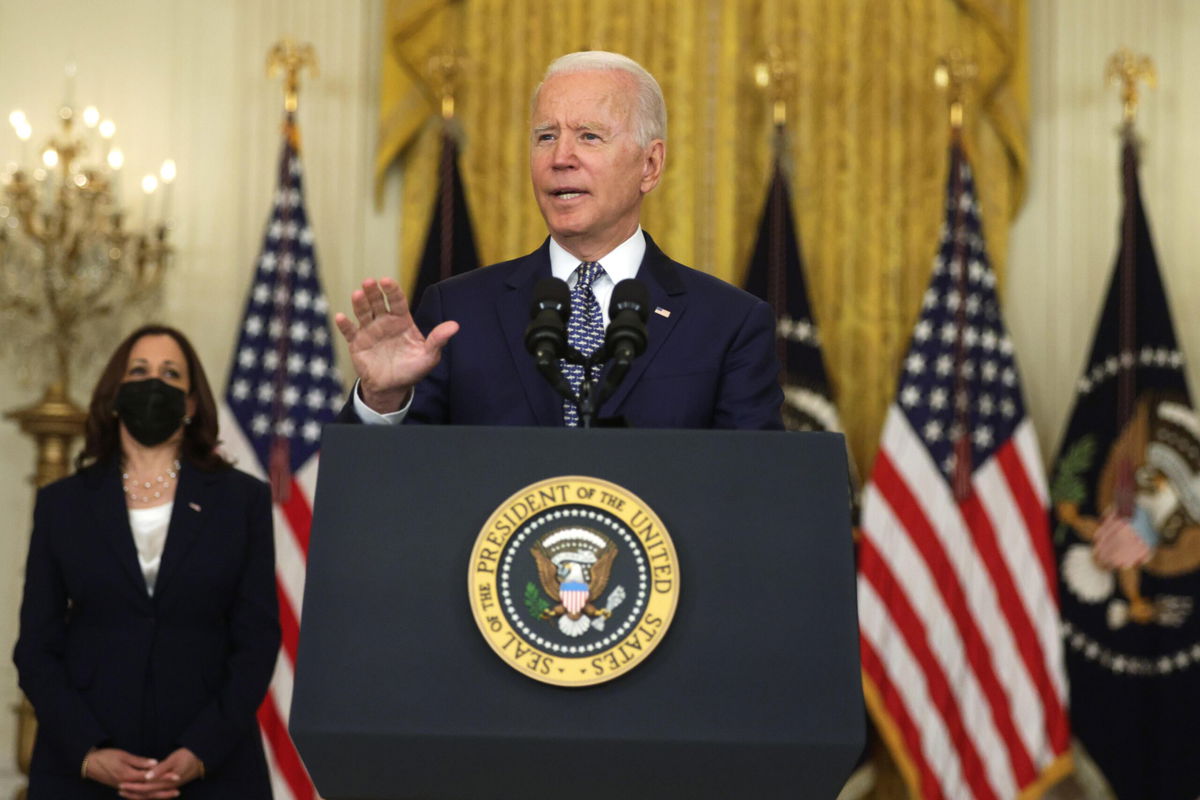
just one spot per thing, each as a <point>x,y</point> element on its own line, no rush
<point>628,311</point>
<point>546,334</point>
<point>625,338</point>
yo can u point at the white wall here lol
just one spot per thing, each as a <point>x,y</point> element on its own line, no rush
<point>1065,241</point>
<point>186,79</point>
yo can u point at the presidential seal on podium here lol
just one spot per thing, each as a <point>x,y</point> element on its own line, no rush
<point>573,581</point>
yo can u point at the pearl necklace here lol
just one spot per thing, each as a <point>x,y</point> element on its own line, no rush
<point>143,491</point>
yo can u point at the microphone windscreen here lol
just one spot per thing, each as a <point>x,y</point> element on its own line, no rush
<point>551,293</point>
<point>630,295</point>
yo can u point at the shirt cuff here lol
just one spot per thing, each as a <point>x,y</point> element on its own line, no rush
<point>372,417</point>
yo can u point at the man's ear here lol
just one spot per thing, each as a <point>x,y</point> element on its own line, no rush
<point>652,164</point>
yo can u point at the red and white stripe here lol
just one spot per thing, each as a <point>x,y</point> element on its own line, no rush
<point>289,778</point>
<point>958,619</point>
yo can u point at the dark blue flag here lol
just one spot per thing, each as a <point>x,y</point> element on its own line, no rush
<point>776,274</point>
<point>1126,512</point>
<point>450,243</point>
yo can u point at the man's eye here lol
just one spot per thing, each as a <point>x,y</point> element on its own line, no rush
<point>545,137</point>
<point>591,137</point>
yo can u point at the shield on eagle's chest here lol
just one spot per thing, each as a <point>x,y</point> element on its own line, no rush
<point>574,596</point>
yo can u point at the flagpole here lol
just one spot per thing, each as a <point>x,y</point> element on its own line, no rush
<point>954,71</point>
<point>1125,70</point>
<point>774,75</point>
<point>443,72</point>
<point>288,58</point>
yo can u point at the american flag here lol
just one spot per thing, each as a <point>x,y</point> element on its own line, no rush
<point>283,386</point>
<point>958,613</point>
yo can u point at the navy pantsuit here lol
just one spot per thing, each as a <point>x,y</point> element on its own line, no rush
<point>107,665</point>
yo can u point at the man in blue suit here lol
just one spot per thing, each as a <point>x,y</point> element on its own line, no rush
<point>597,147</point>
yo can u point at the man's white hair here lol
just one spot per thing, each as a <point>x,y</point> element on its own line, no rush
<point>649,109</point>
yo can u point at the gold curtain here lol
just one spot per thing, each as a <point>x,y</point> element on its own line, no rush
<point>867,146</point>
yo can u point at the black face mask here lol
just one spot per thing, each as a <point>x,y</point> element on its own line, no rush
<point>151,410</point>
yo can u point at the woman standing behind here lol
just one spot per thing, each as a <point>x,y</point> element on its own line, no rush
<point>149,624</point>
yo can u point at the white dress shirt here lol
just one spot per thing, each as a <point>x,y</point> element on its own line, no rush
<point>620,263</point>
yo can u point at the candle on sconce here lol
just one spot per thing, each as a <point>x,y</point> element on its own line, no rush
<point>24,131</point>
<point>167,174</point>
<point>50,160</point>
<point>116,160</point>
<point>107,128</point>
<point>91,118</point>
<point>149,185</point>
<point>70,71</point>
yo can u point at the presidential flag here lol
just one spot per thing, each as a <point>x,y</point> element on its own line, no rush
<point>961,654</point>
<point>283,387</point>
<point>1126,494</point>
<point>450,243</point>
<point>776,275</point>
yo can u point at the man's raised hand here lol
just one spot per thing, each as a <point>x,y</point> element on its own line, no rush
<point>388,350</point>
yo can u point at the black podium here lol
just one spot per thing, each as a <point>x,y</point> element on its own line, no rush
<point>754,691</point>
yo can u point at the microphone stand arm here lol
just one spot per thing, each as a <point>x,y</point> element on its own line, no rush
<point>590,398</point>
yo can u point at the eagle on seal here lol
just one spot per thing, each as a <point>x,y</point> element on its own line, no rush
<point>574,565</point>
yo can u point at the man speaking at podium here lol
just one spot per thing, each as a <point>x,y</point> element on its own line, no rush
<point>597,147</point>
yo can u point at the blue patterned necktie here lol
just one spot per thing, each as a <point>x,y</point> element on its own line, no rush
<point>585,331</point>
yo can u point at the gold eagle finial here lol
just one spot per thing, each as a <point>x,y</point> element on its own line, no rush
<point>1125,69</point>
<point>286,57</point>
<point>775,75</point>
<point>444,72</point>
<point>953,72</point>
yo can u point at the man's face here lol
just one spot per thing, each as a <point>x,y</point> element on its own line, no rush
<point>589,173</point>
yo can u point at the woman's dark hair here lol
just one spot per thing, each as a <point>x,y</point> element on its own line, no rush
<point>102,441</point>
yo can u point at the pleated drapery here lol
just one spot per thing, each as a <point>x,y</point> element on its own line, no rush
<point>868,137</point>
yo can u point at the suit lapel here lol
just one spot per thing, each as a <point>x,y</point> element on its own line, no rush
<point>513,314</point>
<point>194,500</point>
<point>112,522</point>
<point>667,291</point>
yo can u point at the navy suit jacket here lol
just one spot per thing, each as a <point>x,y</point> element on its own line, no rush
<point>105,664</point>
<point>710,361</point>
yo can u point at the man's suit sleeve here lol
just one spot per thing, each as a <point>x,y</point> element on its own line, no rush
<point>40,654</point>
<point>749,396</point>
<point>431,396</point>
<point>253,643</point>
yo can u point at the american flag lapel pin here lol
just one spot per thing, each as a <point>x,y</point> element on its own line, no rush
<point>662,312</point>
<point>194,506</point>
